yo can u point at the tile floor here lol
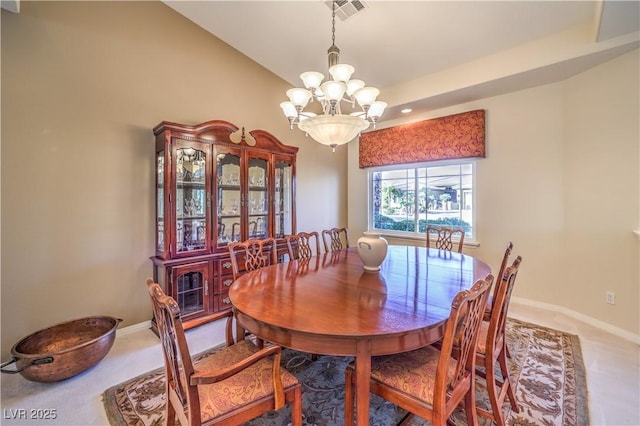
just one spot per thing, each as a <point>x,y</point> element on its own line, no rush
<point>612,363</point>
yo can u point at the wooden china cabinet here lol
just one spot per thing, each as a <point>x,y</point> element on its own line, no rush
<point>215,185</point>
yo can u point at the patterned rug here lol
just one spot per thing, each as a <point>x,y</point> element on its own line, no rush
<point>546,367</point>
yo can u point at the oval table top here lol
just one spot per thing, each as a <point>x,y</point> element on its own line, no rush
<point>333,294</point>
<point>329,304</point>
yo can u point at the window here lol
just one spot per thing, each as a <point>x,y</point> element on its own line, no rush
<point>404,200</point>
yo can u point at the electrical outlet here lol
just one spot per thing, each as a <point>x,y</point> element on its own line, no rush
<point>611,298</point>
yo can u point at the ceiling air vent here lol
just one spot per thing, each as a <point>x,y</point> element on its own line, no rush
<point>346,8</point>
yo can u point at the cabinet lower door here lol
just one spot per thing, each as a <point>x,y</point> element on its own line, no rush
<point>191,289</point>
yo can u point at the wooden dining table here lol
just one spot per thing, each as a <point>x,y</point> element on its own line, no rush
<point>328,304</point>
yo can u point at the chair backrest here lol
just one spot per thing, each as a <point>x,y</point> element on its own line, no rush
<point>302,267</point>
<point>253,254</point>
<point>303,245</point>
<point>177,359</point>
<point>505,259</point>
<point>461,338</point>
<point>335,239</point>
<point>442,238</point>
<point>503,264</point>
<point>500,308</point>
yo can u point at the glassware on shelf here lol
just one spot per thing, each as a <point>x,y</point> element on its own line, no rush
<point>179,235</point>
<point>198,175</point>
<point>189,206</point>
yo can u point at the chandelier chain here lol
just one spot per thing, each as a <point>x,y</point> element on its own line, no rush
<point>333,23</point>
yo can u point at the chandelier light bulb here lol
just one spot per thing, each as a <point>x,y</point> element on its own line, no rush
<point>366,96</point>
<point>289,109</point>
<point>312,79</point>
<point>299,97</point>
<point>341,72</point>
<point>333,90</point>
<point>376,109</point>
<point>353,86</point>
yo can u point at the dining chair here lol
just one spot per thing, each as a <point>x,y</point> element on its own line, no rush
<point>335,239</point>
<point>492,348</point>
<point>303,245</point>
<point>252,254</point>
<point>443,238</point>
<point>231,385</point>
<point>249,255</point>
<point>428,382</point>
<point>492,296</point>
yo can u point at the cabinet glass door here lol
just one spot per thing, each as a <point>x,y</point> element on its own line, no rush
<point>229,197</point>
<point>191,198</point>
<point>257,203</point>
<point>283,199</point>
<point>192,288</point>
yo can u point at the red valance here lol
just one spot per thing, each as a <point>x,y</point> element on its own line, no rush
<point>453,136</point>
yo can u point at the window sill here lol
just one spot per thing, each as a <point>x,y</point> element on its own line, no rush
<point>413,239</point>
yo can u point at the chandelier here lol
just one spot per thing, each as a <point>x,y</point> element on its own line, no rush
<point>332,127</point>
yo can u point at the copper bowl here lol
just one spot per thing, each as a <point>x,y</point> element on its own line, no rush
<point>63,350</point>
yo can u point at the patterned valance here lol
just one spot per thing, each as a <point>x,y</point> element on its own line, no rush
<point>453,136</point>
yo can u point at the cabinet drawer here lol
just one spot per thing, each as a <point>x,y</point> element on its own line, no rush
<point>222,284</point>
<point>222,301</point>
<point>222,267</point>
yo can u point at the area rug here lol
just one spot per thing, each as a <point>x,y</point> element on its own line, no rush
<point>546,366</point>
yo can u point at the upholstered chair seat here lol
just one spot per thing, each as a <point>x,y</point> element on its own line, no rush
<point>412,372</point>
<point>249,385</point>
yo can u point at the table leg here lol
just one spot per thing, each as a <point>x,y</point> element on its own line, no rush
<point>363,382</point>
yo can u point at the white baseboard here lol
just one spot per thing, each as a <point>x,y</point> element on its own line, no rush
<point>133,328</point>
<point>627,335</point>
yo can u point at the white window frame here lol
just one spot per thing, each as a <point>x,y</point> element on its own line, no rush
<point>469,241</point>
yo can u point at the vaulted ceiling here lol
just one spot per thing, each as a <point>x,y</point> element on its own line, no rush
<point>424,54</point>
<point>427,54</point>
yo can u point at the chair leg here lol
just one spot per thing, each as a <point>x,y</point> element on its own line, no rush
<point>493,392</point>
<point>470,405</point>
<point>506,380</point>
<point>296,407</point>
<point>348,397</point>
<point>170,414</point>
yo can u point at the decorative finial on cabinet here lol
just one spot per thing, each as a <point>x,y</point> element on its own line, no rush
<point>241,136</point>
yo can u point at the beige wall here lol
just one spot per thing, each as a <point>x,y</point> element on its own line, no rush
<point>83,84</point>
<point>560,180</point>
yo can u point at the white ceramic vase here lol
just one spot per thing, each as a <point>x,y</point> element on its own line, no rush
<point>372,249</point>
